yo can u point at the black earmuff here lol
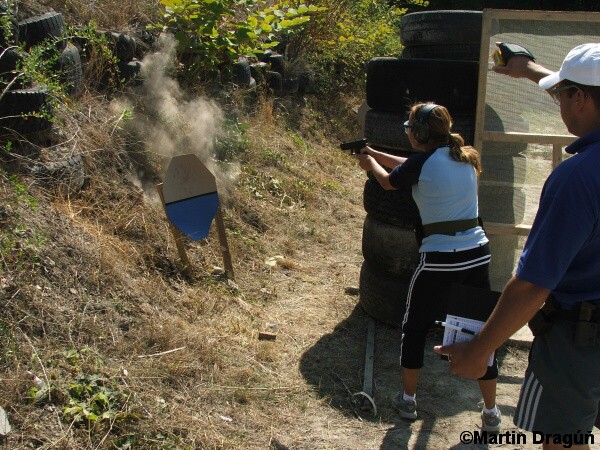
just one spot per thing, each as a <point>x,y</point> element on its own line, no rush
<point>420,127</point>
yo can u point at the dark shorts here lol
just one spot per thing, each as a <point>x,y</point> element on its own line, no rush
<point>561,390</point>
<point>428,297</point>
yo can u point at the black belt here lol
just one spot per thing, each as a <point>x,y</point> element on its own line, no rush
<point>450,228</point>
<point>585,311</point>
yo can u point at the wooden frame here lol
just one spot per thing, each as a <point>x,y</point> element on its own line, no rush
<point>558,142</point>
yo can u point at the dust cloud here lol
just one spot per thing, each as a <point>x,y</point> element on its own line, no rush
<point>169,122</point>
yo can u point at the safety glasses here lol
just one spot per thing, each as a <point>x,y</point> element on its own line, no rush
<point>555,92</point>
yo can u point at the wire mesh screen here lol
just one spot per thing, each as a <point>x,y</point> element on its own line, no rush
<point>514,172</point>
<point>518,104</point>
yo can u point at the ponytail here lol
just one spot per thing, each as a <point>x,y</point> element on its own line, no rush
<point>464,153</point>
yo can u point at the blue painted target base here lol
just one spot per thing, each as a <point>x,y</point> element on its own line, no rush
<point>193,216</point>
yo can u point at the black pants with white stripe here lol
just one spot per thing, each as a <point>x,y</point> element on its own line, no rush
<point>428,295</point>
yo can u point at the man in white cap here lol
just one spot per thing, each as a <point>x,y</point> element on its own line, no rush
<point>556,286</point>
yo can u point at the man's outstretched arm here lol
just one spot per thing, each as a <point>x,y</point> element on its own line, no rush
<point>519,66</point>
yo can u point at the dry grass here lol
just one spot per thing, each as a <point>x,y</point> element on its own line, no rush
<point>96,275</point>
<point>108,14</point>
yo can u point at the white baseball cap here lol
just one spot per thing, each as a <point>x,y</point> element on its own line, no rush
<point>581,65</point>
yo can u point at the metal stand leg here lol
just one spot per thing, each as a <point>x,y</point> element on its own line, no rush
<point>367,401</point>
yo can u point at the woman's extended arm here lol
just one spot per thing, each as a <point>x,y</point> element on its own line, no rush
<point>386,160</point>
<point>370,164</point>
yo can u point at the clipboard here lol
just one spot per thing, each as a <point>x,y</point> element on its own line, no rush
<point>468,307</point>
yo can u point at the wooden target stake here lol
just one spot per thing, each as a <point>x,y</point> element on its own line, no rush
<point>191,202</point>
<point>175,232</point>
<point>178,237</point>
<point>224,246</point>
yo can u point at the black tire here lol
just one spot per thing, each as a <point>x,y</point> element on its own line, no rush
<point>392,207</point>
<point>84,45</point>
<point>274,81</point>
<point>277,63</point>
<point>22,100</point>
<point>390,248</point>
<point>10,58</point>
<point>441,27</point>
<point>26,111</point>
<point>144,43</point>
<point>464,124</point>
<point>464,52</point>
<point>26,123</point>
<point>70,70</point>
<point>34,30</point>
<point>264,57</point>
<point>259,72</point>
<point>290,86</point>
<point>124,45</point>
<point>393,84</point>
<point>68,175</point>
<point>125,48</point>
<point>128,70</point>
<point>382,296</point>
<point>386,130</point>
<point>282,43</point>
<point>145,36</point>
<point>241,73</point>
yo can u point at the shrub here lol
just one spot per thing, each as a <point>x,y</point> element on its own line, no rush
<point>339,44</point>
<point>211,35</point>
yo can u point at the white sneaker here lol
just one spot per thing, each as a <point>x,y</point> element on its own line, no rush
<point>491,422</point>
<point>406,408</point>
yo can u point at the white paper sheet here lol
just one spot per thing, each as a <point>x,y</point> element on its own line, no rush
<point>452,336</point>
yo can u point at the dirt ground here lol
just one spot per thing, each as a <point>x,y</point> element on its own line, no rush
<point>230,390</point>
<point>325,350</point>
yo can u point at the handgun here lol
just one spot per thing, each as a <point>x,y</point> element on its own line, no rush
<point>353,146</point>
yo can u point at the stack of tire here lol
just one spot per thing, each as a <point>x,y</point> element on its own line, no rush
<point>271,70</point>
<point>126,51</point>
<point>242,75</point>
<point>439,63</point>
<point>24,107</point>
<point>277,77</point>
<point>124,48</point>
<point>451,39</point>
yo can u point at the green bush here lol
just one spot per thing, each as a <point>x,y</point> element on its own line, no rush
<point>339,45</point>
<point>39,65</point>
<point>211,34</point>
